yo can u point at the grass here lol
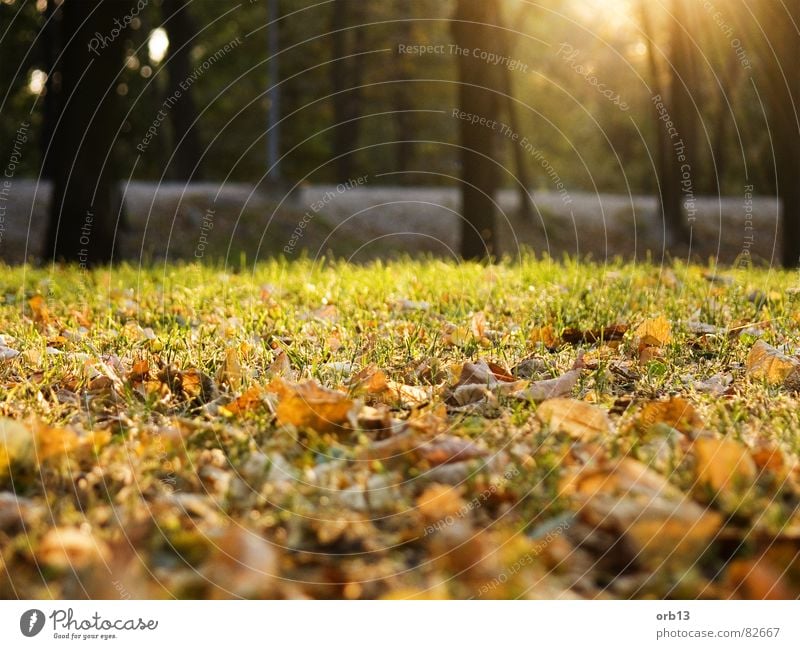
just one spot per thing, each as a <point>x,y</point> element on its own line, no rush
<point>156,443</point>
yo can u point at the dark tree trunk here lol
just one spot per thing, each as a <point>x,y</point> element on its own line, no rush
<point>668,169</point>
<point>520,161</point>
<point>85,203</point>
<point>785,104</point>
<point>346,75</point>
<point>478,96</point>
<point>402,102</point>
<point>183,114</point>
<point>50,39</point>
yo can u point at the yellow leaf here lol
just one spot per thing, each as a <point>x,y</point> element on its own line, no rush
<point>545,335</point>
<point>576,418</point>
<point>231,372</point>
<point>309,405</point>
<point>654,332</point>
<point>723,464</point>
<point>676,412</point>
<point>766,363</point>
<point>68,547</point>
<point>440,501</point>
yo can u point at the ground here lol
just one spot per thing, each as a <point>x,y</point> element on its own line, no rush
<point>532,429</point>
<point>361,222</point>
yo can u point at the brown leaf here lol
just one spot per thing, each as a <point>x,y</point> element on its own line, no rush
<point>575,418</point>
<point>656,520</point>
<point>248,401</point>
<point>613,332</point>
<point>440,501</point>
<point>561,386</point>
<point>675,412</point>
<point>68,547</point>
<point>41,314</point>
<point>242,564</point>
<point>545,335</point>
<point>766,363</point>
<point>448,448</point>
<point>758,579</point>
<point>309,405</point>
<point>723,464</point>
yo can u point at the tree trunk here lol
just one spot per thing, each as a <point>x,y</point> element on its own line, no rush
<point>183,114</point>
<point>49,39</point>
<point>85,202</point>
<point>520,160</point>
<point>668,170</point>
<point>402,102</point>
<point>785,104</point>
<point>477,94</point>
<point>346,74</point>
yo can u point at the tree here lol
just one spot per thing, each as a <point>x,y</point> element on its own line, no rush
<point>779,52</point>
<point>520,162</point>
<point>346,74</point>
<point>473,23</point>
<point>186,161</point>
<point>668,165</point>
<point>85,202</point>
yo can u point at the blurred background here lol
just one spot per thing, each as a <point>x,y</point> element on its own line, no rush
<point>206,129</point>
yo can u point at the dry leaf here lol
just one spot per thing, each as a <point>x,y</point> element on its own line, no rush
<point>41,315</point>
<point>758,579</point>
<point>230,372</point>
<point>309,405</point>
<point>675,412</point>
<point>242,565</point>
<point>654,332</point>
<point>723,464</point>
<point>657,521</point>
<point>545,335</point>
<point>248,401</point>
<point>69,547</point>
<point>561,386</point>
<point>576,418</point>
<point>440,501</point>
<point>448,448</point>
<point>766,363</point>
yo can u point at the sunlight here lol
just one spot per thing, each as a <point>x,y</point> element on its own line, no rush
<point>157,45</point>
<point>607,14</point>
<point>37,80</point>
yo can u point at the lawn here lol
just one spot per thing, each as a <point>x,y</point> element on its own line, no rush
<point>533,429</point>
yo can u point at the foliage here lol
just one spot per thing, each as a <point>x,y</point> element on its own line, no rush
<point>531,429</point>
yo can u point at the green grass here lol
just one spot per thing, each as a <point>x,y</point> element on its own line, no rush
<point>164,482</point>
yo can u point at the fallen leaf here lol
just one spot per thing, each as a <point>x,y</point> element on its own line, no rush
<point>575,418</point>
<point>658,523</point>
<point>440,501</point>
<point>676,412</point>
<point>447,448</point>
<point>41,314</point>
<point>654,332</point>
<point>766,363</point>
<point>249,400</point>
<point>758,579</point>
<point>561,386</point>
<point>309,405</point>
<point>723,464</point>
<point>69,547</point>
<point>231,372</point>
<point>545,335</point>
<point>242,564</point>
<point>613,332</point>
